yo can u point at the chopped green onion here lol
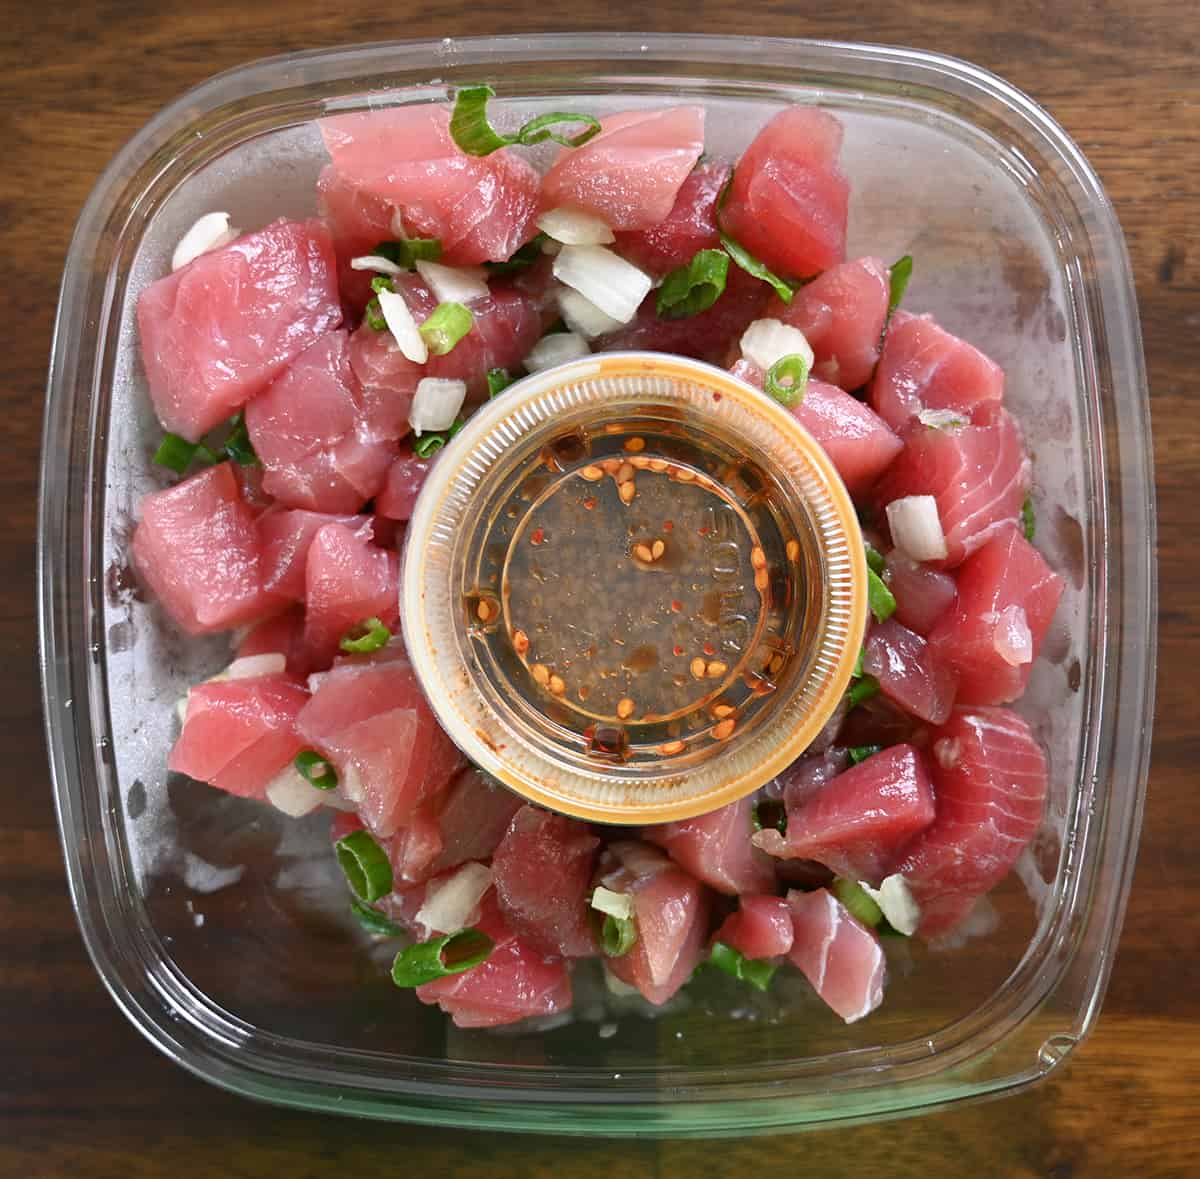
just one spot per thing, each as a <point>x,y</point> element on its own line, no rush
<point>315,770</point>
<point>446,326</point>
<point>898,278</point>
<point>176,454</point>
<point>881,599</point>
<point>695,287</point>
<point>456,429</point>
<point>859,753</point>
<point>875,559</point>
<point>407,252</point>
<point>237,443</point>
<point>538,130</point>
<point>858,662</point>
<point>757,972</point>
<point>862,690</point>
<point>369,635</point>
<point>365,865</point>
<point>1028,523</point>
<point>428,444</point>
<point>451,953</point>
<point>618,935</point>
<point>373,921</point>
<point>855,898</point>
<point>381,282</point>
<point>751,265</point>
<point>373,316</point>
<point>787,379</point>
<point>470,129</point>
<point>769,813</point>
<point>497,380</point>
<point>524,258</point>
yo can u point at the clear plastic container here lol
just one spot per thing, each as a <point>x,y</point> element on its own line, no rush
<point>219,927</point>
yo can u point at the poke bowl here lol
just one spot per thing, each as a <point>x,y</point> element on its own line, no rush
<point>222,925</point>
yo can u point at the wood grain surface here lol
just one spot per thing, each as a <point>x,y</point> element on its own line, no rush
<point>82,1095</point>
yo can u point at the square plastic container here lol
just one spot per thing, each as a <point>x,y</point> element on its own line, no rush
<point>219,927</point>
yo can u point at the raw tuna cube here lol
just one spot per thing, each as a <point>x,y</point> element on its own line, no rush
<point>473,816</point>
<point>878,721</point>
<point>387,378</point>
<point>788,201</point>
<point>923,594</point>
<point>358,221</point>
<point>630,174</point>
<point>197,548</point>
<point>808,774</point>
<point>347,580</point>
<point>909,671</point>
<point>311,430</point>
<point>925,367</point>
<point>671,912</point>
<point>978,474</point>
<point>761,928</point>
<point>543,869</point>
<point>239,734</point>
<point>1007,595</point>
<point>218,331</point>
<point>405,478</point>
<point>858,823</point>
<point>281,634</point>
<point>716,849</point>
<point>990,781</point>
<point>514,983</point>
<point>481,208</point>
<point>413,849</point>
<point>370,718</point>
<point>840,957</point>
<point>286,538</point>
<point>841,314</point>
<point>690,226</point>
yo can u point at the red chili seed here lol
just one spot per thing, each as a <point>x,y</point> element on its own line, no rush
<point>676,605</point>
<point>589,503</point>
<point>538,536</point>
<point>709,649</point>
<point>677,651</point>
<point>668,525</point>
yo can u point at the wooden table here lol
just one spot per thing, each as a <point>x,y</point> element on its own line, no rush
<point>82,1095</point>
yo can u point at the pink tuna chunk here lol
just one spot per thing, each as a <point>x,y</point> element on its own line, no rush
<point>286,538</point>
<point>842,958</point>
<point>990,780</point>
<point>761,928</point>
<point>715,848</point>
<point>630,174</point>
<point>923,594</point>
<point>358,221</point>
<point>218,331</point>
<point>282,634</point>
<point>239,734</point>
<point>406,476</point>
<point>473,816</point>
<point>387,378</point>
<point>197,548</point>
<point>909,671</point>
<point>925,367</point>
<point>788,201</point>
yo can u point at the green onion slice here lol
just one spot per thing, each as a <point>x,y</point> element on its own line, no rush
<point>862,690</point>
<point>875,559</point>
<point>381,282</point>
<point>769,813</point>
<point>176,454</point>
<point>470,129</point>
<point>497,381</point>
<point>407,252</point>
<point>524,258</point>
<point>373,316</point>
<point>428,445</point>
<point>453,953</point>
<point>446,326</point>
<point>1028,523</point>
<point>858,662</point>
<point>237,443</point>
<point>316,770</point>
<point>899,275</point>
<point>751,265</point>
<point>881,599</point>
<point>540,129</point>
<point>860,753</point>
<point>369,635</point>
<point>757,972</point>
<point>365,864</point>
<point>787,379</point>
<point>618,935</point>
<point>373,921</point>
<point>693,288</point>
<point>860,904</point>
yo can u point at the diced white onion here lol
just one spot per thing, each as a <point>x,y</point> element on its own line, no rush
<point>574,228</point>
<point>555,349</point>
<point>941,419</point>
<point>181,707</point>
<point>616,904</point>
<point>1012,638</point>
<point>617,287</point>
<point>451,904</point>
<point>398,227</point>
<point>551,248</point>
<point>376,262</point>
<point>290,793</point>
<point>582,316</point>
<point>915,527</point>
<point>403,327</point>
<point>436,403</point>
<point>454,284</point>
<point>767,340</point>
<point>250,666</point>
<point>210,232</point>
<point>351,784</point>
<point>896,900</point>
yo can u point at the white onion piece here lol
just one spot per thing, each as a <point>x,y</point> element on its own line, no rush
<point>451,904</point>
<point>399,230</point>
<point>555,349</point>
<point>915,527</point>
<point>436,403</point>
<point>896,900</point>
<point>181,707</point>
<point>351,784</point>
<point>941,419</point>
<point>376,262</point>
<point>617,287</point>
<point>574,228</point>
<point>454,284</point>
<point>582,316</point>
<point>767,340</point>
<point>251,666</point>
<point>210,232</point>
<point>615,904</point>
<point>403,327</point>
<point>290,793</point>
<point>1012,638</point>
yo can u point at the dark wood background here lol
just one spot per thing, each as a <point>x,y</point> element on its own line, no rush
<point>82,1095</point>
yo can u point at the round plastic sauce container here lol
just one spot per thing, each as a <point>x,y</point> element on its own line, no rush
<point>634,588</point>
